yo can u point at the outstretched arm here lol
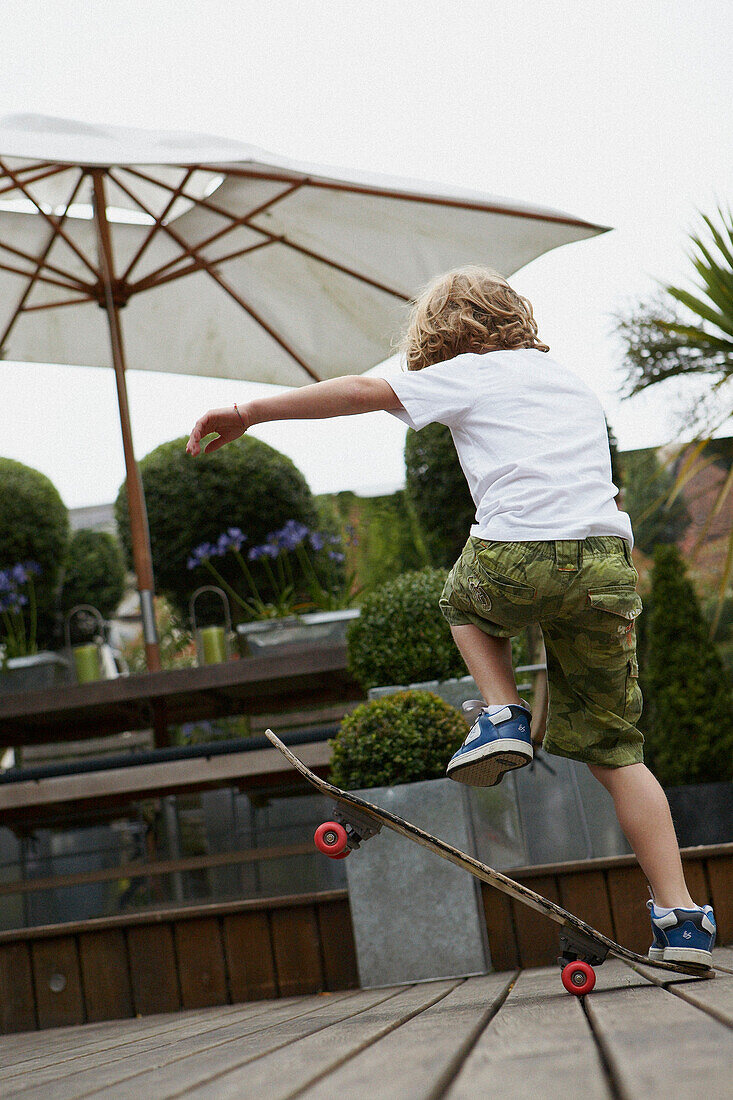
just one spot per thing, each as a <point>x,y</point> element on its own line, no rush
<point>336,397</point>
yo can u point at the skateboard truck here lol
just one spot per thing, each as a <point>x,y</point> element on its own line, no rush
<point>580,953</point>
<point>339,837</point>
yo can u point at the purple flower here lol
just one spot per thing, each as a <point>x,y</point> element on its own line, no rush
<point>289,536</point>
<point>19,574</point>
<point>335,555</point>
<point>265,551</point>
<point>6,583</point>
<point>237,538</point>
<point>32,567</point>
<point>200,554</point>
<point>317,540</point>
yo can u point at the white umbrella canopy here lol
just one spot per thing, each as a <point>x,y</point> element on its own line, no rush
<point>220,259</point>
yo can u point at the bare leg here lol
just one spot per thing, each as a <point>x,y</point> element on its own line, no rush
<point>489,660</point>
<point>643,814</point>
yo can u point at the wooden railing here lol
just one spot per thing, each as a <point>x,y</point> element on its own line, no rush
<point>164,960</point>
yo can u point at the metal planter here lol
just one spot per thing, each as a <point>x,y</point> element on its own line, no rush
<point>415,916</point>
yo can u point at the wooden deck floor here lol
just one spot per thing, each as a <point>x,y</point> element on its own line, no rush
<point>509,1035</point>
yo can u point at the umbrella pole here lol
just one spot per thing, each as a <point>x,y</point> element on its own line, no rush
<point>142,556</point>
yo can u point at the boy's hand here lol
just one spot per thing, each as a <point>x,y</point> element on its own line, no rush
<point>227,423</point>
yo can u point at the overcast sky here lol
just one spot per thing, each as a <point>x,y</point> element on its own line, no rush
<point>617,113</point>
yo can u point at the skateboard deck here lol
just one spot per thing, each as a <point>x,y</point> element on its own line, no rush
<point>578,940</point>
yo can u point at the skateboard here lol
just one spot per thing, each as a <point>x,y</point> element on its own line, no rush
<point>582,947</point>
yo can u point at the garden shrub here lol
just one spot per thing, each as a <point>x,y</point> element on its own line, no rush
<point>385,538</point>
<point>34,526</point>
<point>437,491</point>
<point>401,738</point>
<point>246,485</point>
<point>688,721</point>
<point>94,573</point>
<point>401,637</point>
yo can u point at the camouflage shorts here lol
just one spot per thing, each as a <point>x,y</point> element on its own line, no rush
<point>582,593</point>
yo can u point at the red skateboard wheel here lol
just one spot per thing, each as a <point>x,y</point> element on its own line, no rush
<point>330,838</point>
<point>578,977</point>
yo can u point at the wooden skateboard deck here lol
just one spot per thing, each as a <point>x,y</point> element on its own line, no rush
<point>576,935</point>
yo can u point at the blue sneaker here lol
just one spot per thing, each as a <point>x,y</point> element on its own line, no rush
<point>682,935</point>
<point>498,741</point>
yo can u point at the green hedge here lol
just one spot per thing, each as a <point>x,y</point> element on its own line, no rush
<point>437,491</point>
<point>94,573</point>
<point>34,526</point>
<point>688,718</point>
<point>247,484</point>
<point>401,738</point>
<point>401,636</point>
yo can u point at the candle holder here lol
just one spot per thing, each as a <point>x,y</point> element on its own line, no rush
<point>213,645</point>
<point>86,658</point>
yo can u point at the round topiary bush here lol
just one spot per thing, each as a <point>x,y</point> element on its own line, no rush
<point>246,485</point>
<point>401,738</point>
<point>34,526</point>
<point>401,636</point>
<point>94,573</point>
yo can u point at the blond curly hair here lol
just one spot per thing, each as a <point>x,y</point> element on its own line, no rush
<point>469,309</point>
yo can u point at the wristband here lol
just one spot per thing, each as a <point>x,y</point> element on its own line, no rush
<point>240,417</point>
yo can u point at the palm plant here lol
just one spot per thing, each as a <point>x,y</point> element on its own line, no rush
<point>686,333</point>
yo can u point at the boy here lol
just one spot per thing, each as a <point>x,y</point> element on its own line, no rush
<point>549,546</point>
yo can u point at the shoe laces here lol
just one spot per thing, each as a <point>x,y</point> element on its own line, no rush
<point>474,707</point>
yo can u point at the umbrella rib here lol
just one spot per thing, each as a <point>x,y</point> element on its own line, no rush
<point>57,305</point>
<point>50,171</point>
<point>246,220</point>
<point>41,278</point>
<point>34,277</point>
<point>49,219</point>
<point>207,266</point>
<point>158,222</point>
<point>412,196</point>
<point>156,280</point>
<point>234,222</point>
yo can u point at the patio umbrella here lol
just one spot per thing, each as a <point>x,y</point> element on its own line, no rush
<point>224,260</point>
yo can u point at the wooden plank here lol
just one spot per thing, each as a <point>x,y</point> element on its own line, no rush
<point>297,951</point>
<point>166,915</point>
<point>405,1056</point>
<point>585,894</point>
<point>78,1073</point>
<point>167,776</point>
<point>537,936</point>
<point>500,929</point>
<point>539,1044</point>
<point>168,1066</point>
<point>17,1003</point>
<point>246,1067</point>
<point>57,981</point>
<point>712,995</point>
<point>604,863</point>
<point>153,969</point>
<point>336,933</point>
<point>249,957</point>
<point>310,675</point>
<point>628,893</point>
<point>105,975</point>
<point>200,957</point>
<point>659,1046</point>
<point>720,876</point>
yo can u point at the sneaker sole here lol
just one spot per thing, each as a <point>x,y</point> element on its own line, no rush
<point>488,770</point>
<point>692,955</point>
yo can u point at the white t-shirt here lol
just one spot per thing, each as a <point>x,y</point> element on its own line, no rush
<point>531,439</point>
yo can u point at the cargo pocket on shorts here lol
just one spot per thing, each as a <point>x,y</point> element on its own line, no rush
<point>619,607</point>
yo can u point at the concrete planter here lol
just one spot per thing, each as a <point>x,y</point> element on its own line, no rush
<point>35,673</point>
<point>415,916</point>
<point>278,635</point>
